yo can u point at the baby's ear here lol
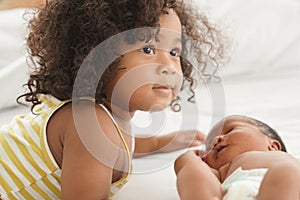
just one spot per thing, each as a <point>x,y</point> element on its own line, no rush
<point>274,145</point>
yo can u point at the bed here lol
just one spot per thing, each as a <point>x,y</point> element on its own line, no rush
<point>261,80</point>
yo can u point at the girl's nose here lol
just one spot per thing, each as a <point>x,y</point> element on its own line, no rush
<point>167,64</point>
<point>165,70</point>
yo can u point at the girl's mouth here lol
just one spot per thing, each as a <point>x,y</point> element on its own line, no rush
<point>163,89</point>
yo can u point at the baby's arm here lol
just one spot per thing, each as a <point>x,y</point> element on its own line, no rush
<point>260,159</point>
<point>282,180</point>
<point>195,179</point>
<point>169,142</point>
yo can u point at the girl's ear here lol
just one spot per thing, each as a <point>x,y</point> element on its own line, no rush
<point>274,145</point>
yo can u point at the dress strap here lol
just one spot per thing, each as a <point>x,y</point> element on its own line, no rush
<point>120,134</point>
<point>116,126</point>
<point>87,98</point>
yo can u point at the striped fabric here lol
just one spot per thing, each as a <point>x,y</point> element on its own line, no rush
<point>27,168</point>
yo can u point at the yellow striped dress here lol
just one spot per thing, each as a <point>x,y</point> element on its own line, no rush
<point>27,168</point>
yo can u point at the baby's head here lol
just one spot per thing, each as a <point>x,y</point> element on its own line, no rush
<point>238,134</point>
<point>268,131</point>
<point>220,127</point>
<point>63,34</point>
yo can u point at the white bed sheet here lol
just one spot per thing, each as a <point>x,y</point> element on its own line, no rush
<point>262,80</point>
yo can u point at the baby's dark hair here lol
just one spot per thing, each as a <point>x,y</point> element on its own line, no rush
<point>64,32</point>
<point>268,131</point>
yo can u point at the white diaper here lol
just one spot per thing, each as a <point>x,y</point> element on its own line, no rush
<point>243,184</point>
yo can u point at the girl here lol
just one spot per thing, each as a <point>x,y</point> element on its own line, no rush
<point>96,62</point>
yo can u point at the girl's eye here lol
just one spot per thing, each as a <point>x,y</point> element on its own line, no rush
<point>175,52</point>
<point>148,50</point>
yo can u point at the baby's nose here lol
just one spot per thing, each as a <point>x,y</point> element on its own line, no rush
<point>218,139</point>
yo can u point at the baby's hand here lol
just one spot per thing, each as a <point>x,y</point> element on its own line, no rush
<point>201,153</point>
<point>188,158</point>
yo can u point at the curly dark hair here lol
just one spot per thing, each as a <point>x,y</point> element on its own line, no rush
<point>63,33</point>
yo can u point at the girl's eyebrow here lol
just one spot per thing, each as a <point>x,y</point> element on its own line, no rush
<point>150,40</point>
<point>174,41</point>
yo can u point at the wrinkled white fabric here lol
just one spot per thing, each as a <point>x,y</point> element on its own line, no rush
<point>243,184</point>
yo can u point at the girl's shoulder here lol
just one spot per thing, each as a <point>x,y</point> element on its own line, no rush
<point>84,125</point>
<point>82,117</point>
<point>89,145</point>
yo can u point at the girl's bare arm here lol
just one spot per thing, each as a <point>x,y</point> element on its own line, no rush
<point>87,171</point>
<point>169,142</point>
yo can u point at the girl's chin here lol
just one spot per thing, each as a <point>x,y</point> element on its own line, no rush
<point>154,108</point>
<point>157,107</point>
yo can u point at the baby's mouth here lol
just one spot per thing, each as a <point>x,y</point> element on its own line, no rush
<point>218,149</point>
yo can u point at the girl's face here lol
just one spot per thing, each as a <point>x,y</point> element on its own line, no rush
<point>232,137</point>
<point>150,74</point>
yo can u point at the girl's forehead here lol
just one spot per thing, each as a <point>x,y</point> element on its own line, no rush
<point>168,34</point>
<point>163,40</point>
<point>170,20</point>
<point>170,28</point>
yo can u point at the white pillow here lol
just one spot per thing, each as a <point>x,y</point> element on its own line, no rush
<point>13,67</point>
<point>265,34</point>
<point>12,77</point>
<point>12,35</point>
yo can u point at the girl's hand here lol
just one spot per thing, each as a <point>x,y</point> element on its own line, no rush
<point>167,143</point>
<point>180,140</point>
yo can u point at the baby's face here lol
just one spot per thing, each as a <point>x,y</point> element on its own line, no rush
<point>231,137</point>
